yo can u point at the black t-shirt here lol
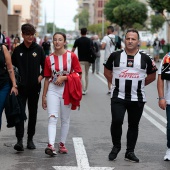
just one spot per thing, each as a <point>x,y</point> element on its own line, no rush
<point>4,76</point>
<point>46,45</point>
<point>83,44</point>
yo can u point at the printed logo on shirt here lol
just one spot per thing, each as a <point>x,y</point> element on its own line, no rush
<point>34,54</point>
<point>21,54</point>
<point>127,74</point>
<point>130,64</point>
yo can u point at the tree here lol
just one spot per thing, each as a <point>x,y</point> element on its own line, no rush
<point>156,22</point>
<point>126,12</point>
<point>50,28</point>
<point>97,28</point>
<point>83,18</point>
<point>159,5</point>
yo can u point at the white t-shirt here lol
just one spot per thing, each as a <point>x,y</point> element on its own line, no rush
<point>167,86</point>
<point>109,48</point>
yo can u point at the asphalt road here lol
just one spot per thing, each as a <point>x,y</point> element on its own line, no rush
<point>89,141</point>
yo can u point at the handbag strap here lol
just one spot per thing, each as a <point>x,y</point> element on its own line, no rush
<point>112,41</point>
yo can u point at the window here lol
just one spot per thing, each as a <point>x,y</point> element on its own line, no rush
<point>17,9</point>
<point>99,13</point>
<point>100,3</point>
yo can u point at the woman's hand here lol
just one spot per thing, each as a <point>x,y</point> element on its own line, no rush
<point>40,78</point>
<point>15,90</point>
<point>60,80</point>
<point>44,102</point>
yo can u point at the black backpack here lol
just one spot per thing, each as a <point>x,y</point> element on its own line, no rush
<point>118,42</point>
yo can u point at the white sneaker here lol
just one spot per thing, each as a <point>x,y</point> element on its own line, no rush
<point>167,156</point>
<point>84,92</point>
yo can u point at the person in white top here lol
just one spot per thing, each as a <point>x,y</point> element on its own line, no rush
<point>108,43</point>
<point>164,97</point>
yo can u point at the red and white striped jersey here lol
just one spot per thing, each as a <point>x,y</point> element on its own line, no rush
<point>61,65</point>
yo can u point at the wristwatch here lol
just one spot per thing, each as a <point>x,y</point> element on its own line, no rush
<point>161,98</point>
<point>15,86</point>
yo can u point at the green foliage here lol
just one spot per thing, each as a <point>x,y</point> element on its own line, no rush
<point>157,22</point>
<point>126,12</point>
<point>138,26</point>
<point>97,28</point>
<point>160,5</point>
<point>83,18</point>
<point>50,28</point>
<point>110,5</point>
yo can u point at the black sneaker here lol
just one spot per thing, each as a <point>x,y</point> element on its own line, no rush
<point>30,145</point>
<point>19,146</point>
<point>113,154</point>
<point>130,156</point>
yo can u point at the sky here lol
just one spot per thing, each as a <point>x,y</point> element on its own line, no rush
<point>65,10</point>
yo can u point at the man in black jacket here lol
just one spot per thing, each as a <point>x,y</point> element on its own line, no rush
<point>28,57</point>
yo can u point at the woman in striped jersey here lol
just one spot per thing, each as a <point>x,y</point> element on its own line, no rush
<point>58,67</point>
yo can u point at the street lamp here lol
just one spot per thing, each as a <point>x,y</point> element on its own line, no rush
<point>54,18</point>
<point>103,18</point>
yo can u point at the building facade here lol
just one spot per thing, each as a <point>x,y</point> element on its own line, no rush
<point>99,11</point>
<point>28,10</point>
<point>89,6</point>
<point>4,15</point>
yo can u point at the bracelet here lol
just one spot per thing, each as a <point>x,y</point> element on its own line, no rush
<point>15,86</point>
<point>161,98</point>
<point>44,96</point>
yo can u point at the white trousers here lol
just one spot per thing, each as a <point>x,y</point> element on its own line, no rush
<point>55,105</point>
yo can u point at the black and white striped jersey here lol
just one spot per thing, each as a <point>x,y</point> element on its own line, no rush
<point>129,73</point>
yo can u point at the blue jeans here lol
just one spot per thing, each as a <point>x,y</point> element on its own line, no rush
<point>168,125</point>
<point>3,94</point>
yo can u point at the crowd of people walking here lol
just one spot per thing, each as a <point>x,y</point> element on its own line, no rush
<point>66,78</point>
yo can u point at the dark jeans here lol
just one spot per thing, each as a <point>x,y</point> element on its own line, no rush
<point>31,97</point>
<point>4,91</point>
<point>168,125</point>
<point>134,110</point>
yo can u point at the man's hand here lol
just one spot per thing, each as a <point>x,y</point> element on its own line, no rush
<point>162,104</point>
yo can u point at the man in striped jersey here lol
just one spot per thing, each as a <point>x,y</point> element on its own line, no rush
<point>129,71</point>
<point>163,86</point>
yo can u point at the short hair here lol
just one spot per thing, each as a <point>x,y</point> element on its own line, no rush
<point>28,29</point>
<point>83,31</point>
<point>61,33</point>
<point>110,28</point>
<point>132,30</point>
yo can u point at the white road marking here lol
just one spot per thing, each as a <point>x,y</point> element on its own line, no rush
<point>153,121</point>
<point>156,114</point>
<point>82,159</point>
